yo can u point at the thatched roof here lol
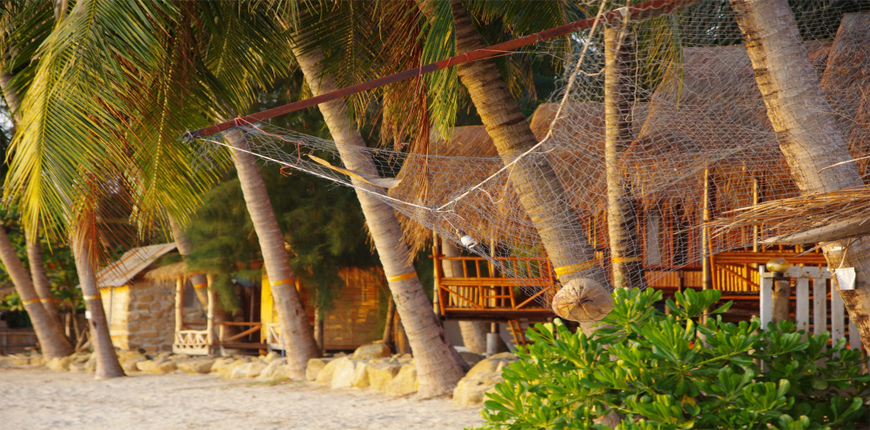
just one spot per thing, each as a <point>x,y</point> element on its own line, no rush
<point>707,114</point>
<point>171,272</point>
<point>470,157</point>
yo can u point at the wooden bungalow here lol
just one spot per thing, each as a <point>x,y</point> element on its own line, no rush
<point>140,311</point>
<point>353,321</point>
<point>703,147</point>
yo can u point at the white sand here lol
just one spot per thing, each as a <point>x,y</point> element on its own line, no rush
<point>41,399</point>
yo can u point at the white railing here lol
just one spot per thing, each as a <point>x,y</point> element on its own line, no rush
<point>273,335</point>
<point>822,301</point>
<point>194,342</point>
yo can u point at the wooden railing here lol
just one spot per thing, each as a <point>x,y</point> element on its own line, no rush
<point>191,342</point>
<point>253,327</point>
<point>273,336</point>
<point>516,286</point>
<point>13,340</point>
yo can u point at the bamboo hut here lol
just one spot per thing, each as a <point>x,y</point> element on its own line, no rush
<point>696,146</point>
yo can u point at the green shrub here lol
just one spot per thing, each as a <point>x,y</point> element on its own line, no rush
<point>669,372</point>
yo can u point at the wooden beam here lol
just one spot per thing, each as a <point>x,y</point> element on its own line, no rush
<point>179,304</point>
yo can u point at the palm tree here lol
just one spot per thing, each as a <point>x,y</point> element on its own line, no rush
<point>533,177</point>
<point>35,293</point>
<point>439,366</point>
<point>626,252</point>
<point>143,73</point>
<point>806,127</point>
<point>295,333</point>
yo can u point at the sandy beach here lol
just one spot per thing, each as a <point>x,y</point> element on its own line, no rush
<point>38,398</point>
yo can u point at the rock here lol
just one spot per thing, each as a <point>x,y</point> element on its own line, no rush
<point>76,367</point>
<point>177,357</point>
<point>276,370</point>
<point>271,357</point>
<point>81,357</point>
<point>36,360</point>
<point>325,374</point>
<point>342,376</point>
<point>405,382</point>
<point>128,359</point>
<point>504,356</point>
<point>162,356</point>
<point>361,375</point>
<point>381,374</point>
<point>471,358</point>
<point>225,366</point>
<point>472,391</point>
<point>20,360</point>
<point>157,366</point>
<point>195,365</point>
<point>6,361</point>
<point>59,364</point>
<point>315,365</point>
<point>486,365</point>
<point>91,364</point>
<point>250,369</point>
<point>371,351</point>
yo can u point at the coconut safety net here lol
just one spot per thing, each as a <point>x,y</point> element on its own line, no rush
<point>656,152</point>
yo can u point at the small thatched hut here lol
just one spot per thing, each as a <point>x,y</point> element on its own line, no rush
<point>140,308</point>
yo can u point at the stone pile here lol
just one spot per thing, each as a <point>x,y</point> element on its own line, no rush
<point>370,367</point>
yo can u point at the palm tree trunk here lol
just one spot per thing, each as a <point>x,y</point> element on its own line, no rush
<point>107,361</point>
<point>40,280</point>
<point>806,129</point>
<point>533,177</point>
<point>295,330</point>
<point>439,366</point>
<point>48,330</point>
<point>200,282</point>
<point>473,332</point>
<point>34,250</point>
<point>626,253</point>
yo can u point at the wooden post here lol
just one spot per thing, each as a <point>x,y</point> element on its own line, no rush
<point>781,296</point>
<point>179,304</point>
<point>706,269</point>
<point>436,290</point>
<point>388,327</point>
<point>210,323</point>
<point>754,227</point>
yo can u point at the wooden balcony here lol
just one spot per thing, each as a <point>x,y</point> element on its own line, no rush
<point>520,289</point>
<point>524,288</point>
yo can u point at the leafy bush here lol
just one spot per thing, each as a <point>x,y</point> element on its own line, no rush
<point>670,372</point>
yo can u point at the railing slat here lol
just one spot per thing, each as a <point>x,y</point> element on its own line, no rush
<point>820,301</point>
<point>802,311</point>
<point>766,299</point>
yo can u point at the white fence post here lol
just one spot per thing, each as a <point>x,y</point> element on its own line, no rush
<point>765,296</point>
<point>820,277</point>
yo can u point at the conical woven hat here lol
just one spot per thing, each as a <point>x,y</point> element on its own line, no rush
<point>583,300</point>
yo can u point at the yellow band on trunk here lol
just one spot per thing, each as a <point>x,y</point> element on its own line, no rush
<point>94,297</point>
<point>404,277</point>
<point>30,302</point>
<point>198,286</point>
<point>564,270</point>
<point>284,281</point>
